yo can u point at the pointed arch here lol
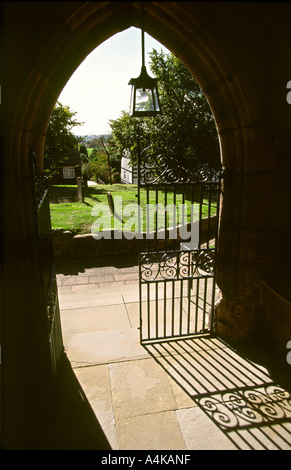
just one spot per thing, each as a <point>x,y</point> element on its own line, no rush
<point>179,27</point>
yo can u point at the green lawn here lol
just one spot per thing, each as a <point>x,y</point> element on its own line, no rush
<point>69,214</point>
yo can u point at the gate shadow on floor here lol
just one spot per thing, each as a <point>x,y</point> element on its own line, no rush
<point>237,394</point>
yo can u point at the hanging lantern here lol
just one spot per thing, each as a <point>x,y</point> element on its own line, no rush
<point>144,95</point>
<point>144,92</point>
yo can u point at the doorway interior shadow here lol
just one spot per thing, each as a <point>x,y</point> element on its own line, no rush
<point>76,426</point>
<point>237,394</point>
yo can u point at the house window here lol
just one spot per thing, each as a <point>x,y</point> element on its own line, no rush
<point>69,172</point>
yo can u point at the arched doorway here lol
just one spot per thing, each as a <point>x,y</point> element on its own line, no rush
<point>88,26</point>
<point>192,32</point>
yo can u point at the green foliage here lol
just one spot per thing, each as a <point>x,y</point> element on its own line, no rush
<point>99,166</point>
<point>59,138</point>
<point>185,131</point>
<point>124,131</point>
<point>101,163</point>
<point>84,154</point>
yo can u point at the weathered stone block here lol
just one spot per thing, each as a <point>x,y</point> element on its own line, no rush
<point>233,319</point>
<point>278,319</point>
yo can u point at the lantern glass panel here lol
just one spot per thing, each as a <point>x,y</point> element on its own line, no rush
<point>156,100</point>
<point>143,100</point>
<point>132,100</point>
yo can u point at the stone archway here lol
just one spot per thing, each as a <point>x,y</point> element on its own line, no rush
<point>181,27</point>
<point>91,24</point>
<point>222,47</point>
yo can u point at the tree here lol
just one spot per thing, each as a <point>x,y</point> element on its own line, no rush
<point>124,132</point>
<point>93,143</point>
<point>101,165</point>
<point>84,154</point>
<point>185,132</point>
<point>59,138</point>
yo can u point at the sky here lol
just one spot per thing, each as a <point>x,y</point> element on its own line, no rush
<point>98,90</point>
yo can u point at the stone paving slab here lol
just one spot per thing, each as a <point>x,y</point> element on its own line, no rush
<point>132,309</point>
<point>96,385</point>
<point>91,298</point>
<point>200,433</point>
<point>91,319</point>
<point>140,387</point>
<point>157,431</point>
<point>182,398</point>
<point>103,347</point>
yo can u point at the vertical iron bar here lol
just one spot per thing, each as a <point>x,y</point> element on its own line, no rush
<point>166,224</point>
<point>189,285</point>
<point>209,213</point>
<point>156,217</point>
<point>175,200</point>
<point>165,309</point>
<point>183,202</point>
<point>181,306</point>
<point>178,282</point>
<point>197,304</point>
<point>204,303</point>
<point>173,307</point>
<point>175,223</point>
<point>192,219</point>
<point>200,212</point>
<point>147,213</point>
<point>157,309</point>
<point>148,300</point>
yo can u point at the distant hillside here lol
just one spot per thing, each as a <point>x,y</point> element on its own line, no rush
<point>91,141</point>
<point>88,138</point>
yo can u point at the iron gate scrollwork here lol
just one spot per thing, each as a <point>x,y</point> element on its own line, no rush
<point>177,267</point>
<point>157,169</point>
<point>172,265</point>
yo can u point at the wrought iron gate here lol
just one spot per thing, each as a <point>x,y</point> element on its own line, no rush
<point>177,251</point>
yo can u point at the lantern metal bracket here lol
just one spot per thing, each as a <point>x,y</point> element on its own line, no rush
<point>144,93</point>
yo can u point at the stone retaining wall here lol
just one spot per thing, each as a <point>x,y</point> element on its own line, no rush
<point>68,245</point>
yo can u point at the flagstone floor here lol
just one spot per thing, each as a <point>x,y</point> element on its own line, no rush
<point>191,394</point>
